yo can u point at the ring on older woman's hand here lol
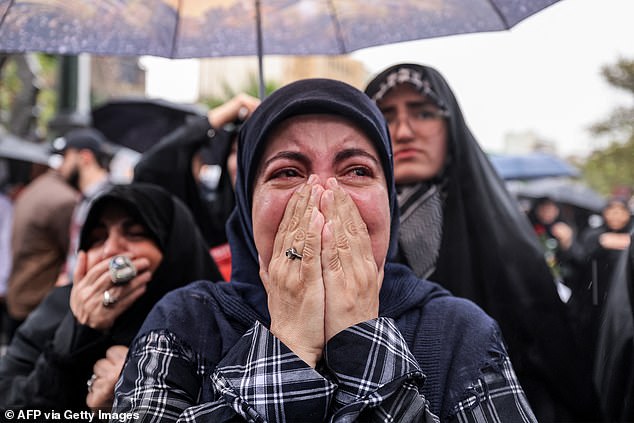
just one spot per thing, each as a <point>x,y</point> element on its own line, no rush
<point>108,299</point>
<point>90,382</point>
<point>122,270</point>
<point>292,254</point>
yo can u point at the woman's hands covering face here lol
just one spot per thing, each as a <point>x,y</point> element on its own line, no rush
<point>87,293</point>
<point>336,283</point>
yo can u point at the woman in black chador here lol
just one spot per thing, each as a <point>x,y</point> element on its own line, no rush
<point>460,227</point>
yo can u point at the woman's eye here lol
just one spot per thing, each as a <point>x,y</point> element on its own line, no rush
<point>137,231</point>
<point>360,171</point>
<point>429,114</point>
<point>285,173</point>
<point>96,238</point>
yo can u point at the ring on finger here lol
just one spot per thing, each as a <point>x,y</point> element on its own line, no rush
<point>90,382</point>
<point>108,299</point>
<point>292,254</point>
<point>122,270</point>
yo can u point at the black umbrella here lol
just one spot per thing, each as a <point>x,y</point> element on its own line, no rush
<point>138,123</point>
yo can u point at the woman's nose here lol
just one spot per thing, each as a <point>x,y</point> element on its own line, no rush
<point>402,130</point>
<point>114,244</point>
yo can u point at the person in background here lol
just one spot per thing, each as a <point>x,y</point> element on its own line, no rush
<point>597,256</point>
<point>316,324</point>
<point>177,163</point>
<point>461,228</point>
<point>84,166</point>
<point>40,240</point>
<point>613,364</point>
<point>556,238</point>
<point>84,328</point>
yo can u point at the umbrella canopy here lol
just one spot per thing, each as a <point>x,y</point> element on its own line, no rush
<point>531,166</point>
<point>12,147</point>
<point>138,123</point>
<point>560,190</point>
<point>208,28</point>
<point>214,28</point>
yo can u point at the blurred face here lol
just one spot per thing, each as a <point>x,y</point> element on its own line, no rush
<point>547,212</point>
<point>419,134</point>
<point>69,169</point>
<point>116,233</point>
<point>616,216</point>
<point>326,146</point>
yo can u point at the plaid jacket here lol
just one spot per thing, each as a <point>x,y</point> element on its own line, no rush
<point>367,374</point>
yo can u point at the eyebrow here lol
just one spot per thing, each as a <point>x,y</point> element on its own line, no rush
<point>410,105</point>
<point>288,155</point>
<point>354,152</point>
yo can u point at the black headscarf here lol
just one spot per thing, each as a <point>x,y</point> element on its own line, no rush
<point>169,165</point>
<point>185,254</point>
<point>490,254</point>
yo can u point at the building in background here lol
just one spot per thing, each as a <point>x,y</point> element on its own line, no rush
<point>220,77</point>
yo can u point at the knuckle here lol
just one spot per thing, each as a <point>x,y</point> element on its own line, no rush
<point>300,235</point>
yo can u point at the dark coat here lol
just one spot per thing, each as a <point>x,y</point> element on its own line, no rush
<point>614,363</point>
<point>51,355</point>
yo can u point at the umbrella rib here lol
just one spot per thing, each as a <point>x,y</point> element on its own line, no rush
<point>4,16</point>
<point>176,28</point>
<point>338,32</point>
<point>497,11</point>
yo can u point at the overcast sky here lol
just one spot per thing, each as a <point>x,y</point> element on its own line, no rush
<point>542,75</point>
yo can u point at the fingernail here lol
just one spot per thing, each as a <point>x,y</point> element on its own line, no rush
<point>312,179</point>
<point>332,183</point>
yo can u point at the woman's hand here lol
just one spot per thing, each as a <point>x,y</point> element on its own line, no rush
<point>87,293</point>
<point>239,107</point>
<point>295,288</point>
<point>105,375</point>
<point>352,280</point>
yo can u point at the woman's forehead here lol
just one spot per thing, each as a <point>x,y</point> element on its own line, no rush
<point>316,132</point>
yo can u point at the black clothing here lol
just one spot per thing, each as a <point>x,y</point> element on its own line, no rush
<point>560,261</point>
<point>490,254</point>
<point>596,269</point>
<point>51,356</point>
<point>614,363</point>
<point>169,165</point>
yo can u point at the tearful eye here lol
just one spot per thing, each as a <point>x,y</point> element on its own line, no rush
<point>285,173</point>
<point>360,171</point>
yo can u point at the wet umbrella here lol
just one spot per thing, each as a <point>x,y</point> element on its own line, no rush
<point>138,123</point>
<point>531,166</point>
<point>561,190</point>
<point>212,28</point>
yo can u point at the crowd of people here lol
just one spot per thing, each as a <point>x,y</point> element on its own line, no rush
<point>359,259</point>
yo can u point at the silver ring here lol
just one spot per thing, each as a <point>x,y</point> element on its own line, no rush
<point>108,299</point>
<point>90,382</point>
<point>292,254</point>
<point>122,270</point>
